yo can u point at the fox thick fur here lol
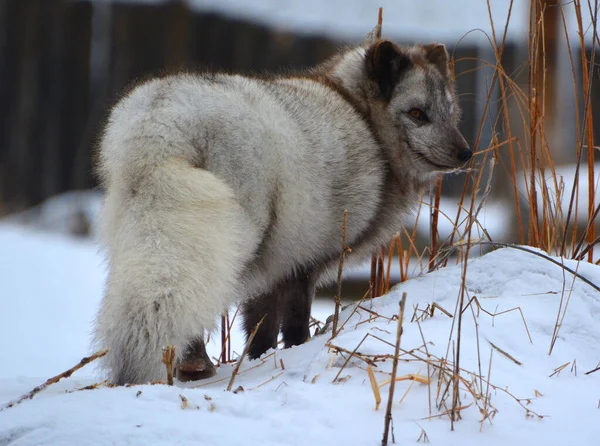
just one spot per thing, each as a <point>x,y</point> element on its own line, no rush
<point>227,188</point>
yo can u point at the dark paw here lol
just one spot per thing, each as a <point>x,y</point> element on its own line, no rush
<point>195,370</point>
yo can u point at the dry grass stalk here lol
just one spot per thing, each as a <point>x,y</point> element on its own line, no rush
<point>461,298</point>
<point>562,311</point>
<point>105,383</point>
<point>428,367</point>
<point>374,387</point>
<point>375,33</point>
<point>184,401</point>
<point>353,353</point>
<point>244,353</point>
<point>388,412</point>
<point>272,378</point>
<point>587,67</point>
<point>428,312</point>
<point>211,382</point>
<point>223,357</point>
<point>262,360</point>
<point>512,358</point>
<point>356,307</point>
<point>229,325</point>
<point>487,414</point>
<point>592,371</point>
<point>67,373</point>
<point>423,436</point>
<point>559,369</point>
<point>375,314</point>
<point>380,273</point>
<point>378,29</point>
<point>389,264</point>
<point>168,360</point>
<point>435,305</point>
<point>369,359</point>
<point>457,409</point>
<point>226,325</point>
<point>434,223</point>
<point>345,250</point>
<point>374,36</point>
<point>499,313</point>
<point>406,392</point>
<point>446,372</point>
<point>373,277</point>
<point>410,377</point>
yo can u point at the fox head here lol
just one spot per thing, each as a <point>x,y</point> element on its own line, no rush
<point>407,94</point>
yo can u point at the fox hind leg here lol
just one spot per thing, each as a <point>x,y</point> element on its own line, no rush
<point>297,303</point>
<point>266,305</point>
<point>287,306</point>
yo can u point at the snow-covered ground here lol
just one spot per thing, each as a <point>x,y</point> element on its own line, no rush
<point>50,286</point>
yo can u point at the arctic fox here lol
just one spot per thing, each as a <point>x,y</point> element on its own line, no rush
<point>229,188</point>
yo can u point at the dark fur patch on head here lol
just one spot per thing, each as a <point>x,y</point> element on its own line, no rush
<point>437,55</point>
<point>385,63</point>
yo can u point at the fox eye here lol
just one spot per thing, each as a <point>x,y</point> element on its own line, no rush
<point>418,114</point>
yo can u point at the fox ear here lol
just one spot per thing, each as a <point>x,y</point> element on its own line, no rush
<point>437,55</point>
<point>385,64</point>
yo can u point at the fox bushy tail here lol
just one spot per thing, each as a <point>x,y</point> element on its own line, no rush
<point>176,241</point>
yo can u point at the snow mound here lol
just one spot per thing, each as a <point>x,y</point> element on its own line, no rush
<point>300,404</point>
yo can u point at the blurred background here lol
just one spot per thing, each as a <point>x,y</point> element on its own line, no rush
<point>64,62</point>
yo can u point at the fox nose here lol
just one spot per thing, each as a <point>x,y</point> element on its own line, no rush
<point>464,155</point>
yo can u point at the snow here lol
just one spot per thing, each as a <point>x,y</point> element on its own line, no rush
<point>62,213</point>
<point>50,289</point>
<point>494,217</point>
<point>403,19</point>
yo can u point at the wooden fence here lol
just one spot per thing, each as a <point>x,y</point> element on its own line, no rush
<point>62,63</point>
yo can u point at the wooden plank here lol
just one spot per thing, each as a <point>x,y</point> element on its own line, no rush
<point>78,132</point>
<point>25,35</point>
<point>7,79</point>
<point>49,145</point>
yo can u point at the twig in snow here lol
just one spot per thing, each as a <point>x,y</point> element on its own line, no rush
<point>85,361</point>
<point>388,412</point>
<point>268,380</point>
<point>592,371</point>
<point>348,359</point>
<point>559,369</point>
<point>244,353</point>
<point>374,387</point>
<point>505,354</point>
<point>168,360</point>
<point>345,250</point>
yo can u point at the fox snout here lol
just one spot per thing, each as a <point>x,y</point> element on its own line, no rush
<point>464,154</point>
<point>461,150</point>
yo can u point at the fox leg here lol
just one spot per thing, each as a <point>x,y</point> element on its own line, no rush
<point>265,305</point>
<point>297,301</point>
<point>195,364</point>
